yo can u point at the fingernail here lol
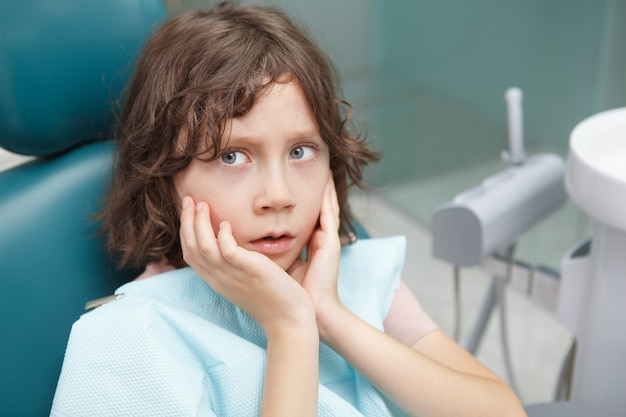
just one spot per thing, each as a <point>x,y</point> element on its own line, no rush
<point>186,202</point>
<point>200,206</point>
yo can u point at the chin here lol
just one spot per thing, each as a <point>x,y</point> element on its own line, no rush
<point>285,264</point>
<point>285,261</point>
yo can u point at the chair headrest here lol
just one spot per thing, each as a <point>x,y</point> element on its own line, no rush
<point>63,63</point>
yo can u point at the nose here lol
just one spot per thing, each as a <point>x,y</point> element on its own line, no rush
<point>274,192</point>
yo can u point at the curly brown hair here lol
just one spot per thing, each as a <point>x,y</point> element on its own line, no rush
<point>196,71</point>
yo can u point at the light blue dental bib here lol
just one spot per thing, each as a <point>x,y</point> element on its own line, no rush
<point>171,346</point>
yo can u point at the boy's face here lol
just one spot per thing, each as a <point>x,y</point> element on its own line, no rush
<point>269,179</point>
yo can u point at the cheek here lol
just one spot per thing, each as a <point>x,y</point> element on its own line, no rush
<point>230,203</point>
<point>189,181</point>
<point>206,186</point>
<point>223,209</point>
<point>312,199</point>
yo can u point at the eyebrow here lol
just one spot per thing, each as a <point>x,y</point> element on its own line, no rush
<point>308,135</point>
<point>300,136</point>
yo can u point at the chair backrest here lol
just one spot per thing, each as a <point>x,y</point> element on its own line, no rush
<point>61,63</point>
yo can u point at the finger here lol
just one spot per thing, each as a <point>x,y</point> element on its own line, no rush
<point>228,246</point>
<point>234,254</point>
<point>187,230</point>
<point>205,236</point>
<point>329,216</point>
<point>333,197</point>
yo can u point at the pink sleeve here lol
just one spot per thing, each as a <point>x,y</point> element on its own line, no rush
<point>406,320</point>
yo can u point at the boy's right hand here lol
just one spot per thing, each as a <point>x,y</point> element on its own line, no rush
<point>248,279</point>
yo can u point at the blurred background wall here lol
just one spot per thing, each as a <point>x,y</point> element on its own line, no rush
<point>427,79</point>
<point>428,76</point>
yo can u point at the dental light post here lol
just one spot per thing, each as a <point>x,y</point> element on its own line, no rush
<point>515,155</point>
<point>486,221</point>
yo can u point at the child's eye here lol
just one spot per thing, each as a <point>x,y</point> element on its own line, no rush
<point>302,152</point>
<point>233,158</point>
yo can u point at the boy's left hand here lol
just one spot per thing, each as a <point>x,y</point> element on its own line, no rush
<point>318,273</point>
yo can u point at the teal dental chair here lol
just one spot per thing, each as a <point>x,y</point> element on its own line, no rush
<point>61,63</point>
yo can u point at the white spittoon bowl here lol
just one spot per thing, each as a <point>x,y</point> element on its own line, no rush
<point>596,167</point>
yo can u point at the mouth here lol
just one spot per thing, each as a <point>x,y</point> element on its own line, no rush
<point>272,237</point>
<point>273,244</point>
